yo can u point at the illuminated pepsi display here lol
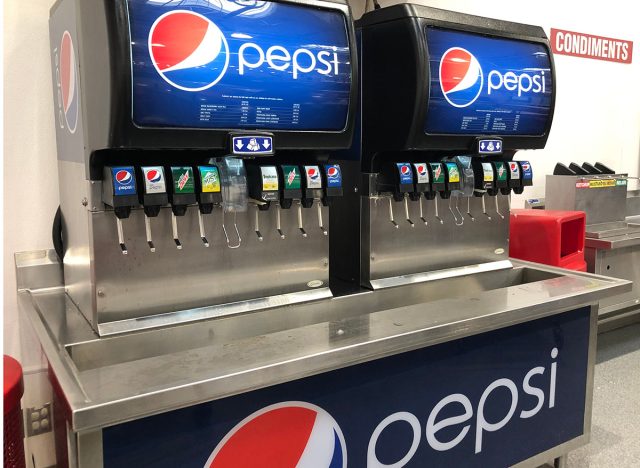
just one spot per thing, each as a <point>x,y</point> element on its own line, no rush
<point>233,64</point>
<point>487,86</point>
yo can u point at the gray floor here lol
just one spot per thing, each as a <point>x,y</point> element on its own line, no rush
<point>615,431</point>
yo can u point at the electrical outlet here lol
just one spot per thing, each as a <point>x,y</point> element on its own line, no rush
<point>38,420</point>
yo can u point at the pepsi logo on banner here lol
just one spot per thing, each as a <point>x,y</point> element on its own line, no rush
<point>154,176</point>
<point>334,175</point>
<point>460,77</point>
<point>68,82</point>
<point>124,182</point>
<point>188,50</point>
<point>287,434</point>
<point>422,173</point>
<point>406,177</point>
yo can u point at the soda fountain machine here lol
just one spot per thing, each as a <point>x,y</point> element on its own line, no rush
<point>235,292</point>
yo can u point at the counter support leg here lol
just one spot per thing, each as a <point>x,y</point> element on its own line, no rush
<point>561,462</point>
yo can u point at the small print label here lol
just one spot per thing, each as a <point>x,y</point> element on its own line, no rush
<point>454,172</point>
<point>620,182</point>
<point>334,175</point>
<point>292,178</point>
<point>124,182</point>
<point>438,173</point>
<point>582,184</point>
<point>515,170</point>
<point>183,180</point>
<point>602,183</point>
<point>422,172</point>
<point>501,170</point>
<point>210,179</point>
<point>154,181</point>
<point>487,172</point>
<point>269,178</point>
<point>405,174</point>
<point>312,173</point>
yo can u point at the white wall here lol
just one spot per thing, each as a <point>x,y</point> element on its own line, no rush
<point>597,114</point>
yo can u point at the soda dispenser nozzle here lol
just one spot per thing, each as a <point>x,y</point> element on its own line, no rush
<point>181,195</point>
<point>290,191</point>
<point>438,186</point>
<point>264,187</point>
<point>208,194</point>
<point>152,196</point>
<point>422,186</point>
<point>313,192</point>
<point>119,191</point>
<point>332,180</point>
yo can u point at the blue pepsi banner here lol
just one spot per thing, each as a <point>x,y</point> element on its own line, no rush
<point>405,173</point>
<point>334,175</point>
<point>487,86</point>
<point>124,182</point>
<point>488,400</point>
<point>236,64</point>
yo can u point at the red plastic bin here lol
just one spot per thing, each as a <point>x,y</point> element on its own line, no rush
<point>550,237</point>
<point>13,432</point>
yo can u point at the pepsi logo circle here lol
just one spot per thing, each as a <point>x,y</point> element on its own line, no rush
<point>285,435</point>
<point>188,50</point>
<point>154,176</point>
<point>69,82</point>
<point>313,173</point>
<point>461,77</point>
<point>332,172</point>
<point>422,170</point>
<point>124,177</point>
<point>405,170</point>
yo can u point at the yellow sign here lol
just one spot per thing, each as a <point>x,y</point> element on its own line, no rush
<point>602,183</point>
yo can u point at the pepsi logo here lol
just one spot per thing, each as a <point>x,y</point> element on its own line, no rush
<point>312,173</point>
<point>188,50</point>
<point>124,177</point>
<point>154,176</point>
<point>68,82</point>
<point>461,77</point>
<point>404,170</point>
<point>422,170</point>
<point>514,166</point>
<point>289,434</point>
<point>333,173</point>
<point>526,167</point>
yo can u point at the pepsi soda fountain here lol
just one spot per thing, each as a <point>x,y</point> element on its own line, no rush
<point>465,94</point>
<point>212,127</point>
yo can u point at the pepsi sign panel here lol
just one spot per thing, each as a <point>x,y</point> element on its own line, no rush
<point>235,65</point>
<point>486,85</point>
<point>489,400</point>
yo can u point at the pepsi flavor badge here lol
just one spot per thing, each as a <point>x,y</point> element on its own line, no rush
<point>404,173</point>
<point>312,173</point>
<point>124,182</point>
<point>334,175</point>
<point>154,181</point>
<point>239,65</point>
<point>422,173</point>
<point>527,173</point>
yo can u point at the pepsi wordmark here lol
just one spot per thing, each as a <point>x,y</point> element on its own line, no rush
<point>239,68</point>
<point>487,85</point>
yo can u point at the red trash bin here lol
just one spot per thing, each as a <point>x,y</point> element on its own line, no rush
<point>550,237</point>
<point>13,432</point>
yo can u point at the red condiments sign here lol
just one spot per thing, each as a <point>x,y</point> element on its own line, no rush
<point>590,46</point>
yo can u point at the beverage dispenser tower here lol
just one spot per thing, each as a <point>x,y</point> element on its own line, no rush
<point>194,143</point>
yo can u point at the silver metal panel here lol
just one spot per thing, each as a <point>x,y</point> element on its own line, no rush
<point>78,258</point>
<point>145,283</point>
<point>458,241</point>
<point>112,380</point>
<point>620,263</point>
<point>89,446</point>
<point>601,205</point>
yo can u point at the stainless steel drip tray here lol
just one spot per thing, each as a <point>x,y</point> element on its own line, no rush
<point>110,380</point>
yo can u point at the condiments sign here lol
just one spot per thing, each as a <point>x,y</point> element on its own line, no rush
<point>590,46</point>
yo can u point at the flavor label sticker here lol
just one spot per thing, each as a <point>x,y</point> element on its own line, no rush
<point>124,182</point>
<point>501,170</point>
<point>154,181</point>
<point>312,173</point>
<point>210,179</point>
<point>422,172</point>
<point>621,182</point>
<point>527,173</point>
<point>334,175</point>
<point>183,180</point>
<point>487,172</point>
<point>438,173</point>
<point>269,178</point>
<point>514,168</point>
<point>292,178</point>
<point>454,172</point>
<point>405,174</point>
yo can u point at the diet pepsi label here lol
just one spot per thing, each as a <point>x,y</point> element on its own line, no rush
<point>490,400</point>
<point>404,173</point>
<point>312,175</point>
<point>422,173</point>
<point>334,175</point>
<point>487,85</point>
<point>124,182</point>
<point>527,172</point>
<point>255,145</point>
<point>514,170</point>
<point>232,65</point>
<point>154,181</point>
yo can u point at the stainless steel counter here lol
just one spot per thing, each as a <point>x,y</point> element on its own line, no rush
<point>116,379</point>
